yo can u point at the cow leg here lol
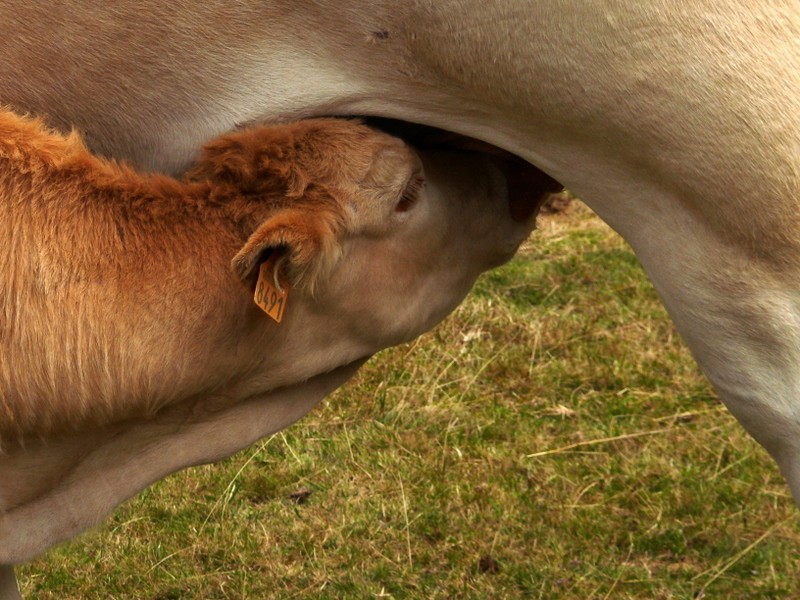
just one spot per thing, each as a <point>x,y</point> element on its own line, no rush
<point>743,327</point>
<point>733,291</point>
<point>8,584</point>
<point>741,319</point>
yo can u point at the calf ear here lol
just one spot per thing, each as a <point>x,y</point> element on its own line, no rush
<point>308,238</point>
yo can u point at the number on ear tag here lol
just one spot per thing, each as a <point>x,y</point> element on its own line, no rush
<point>269,298</point>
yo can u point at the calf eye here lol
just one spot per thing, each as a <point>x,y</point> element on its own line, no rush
<point>410,194</point>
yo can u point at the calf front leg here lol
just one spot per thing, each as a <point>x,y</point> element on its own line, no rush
<point>8,584</point>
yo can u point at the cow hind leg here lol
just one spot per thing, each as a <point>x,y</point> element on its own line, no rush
<point>8,584</point>
<point>741,319</point>
<point>736,302</point>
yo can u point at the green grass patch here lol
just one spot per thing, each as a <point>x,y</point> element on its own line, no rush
<point>551,439</point>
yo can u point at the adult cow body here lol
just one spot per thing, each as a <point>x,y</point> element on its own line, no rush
<point>678,123</point>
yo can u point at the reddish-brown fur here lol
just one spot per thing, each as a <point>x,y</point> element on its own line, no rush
<point>108,239</point>
<point>123,293</point>
<point>130,344</point>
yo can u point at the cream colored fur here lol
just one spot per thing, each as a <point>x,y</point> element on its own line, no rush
<point>678,122</point>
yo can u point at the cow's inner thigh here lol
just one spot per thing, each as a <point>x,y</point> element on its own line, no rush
<point>738,310</point>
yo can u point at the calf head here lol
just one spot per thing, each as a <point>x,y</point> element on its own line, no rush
<point>378,242</point>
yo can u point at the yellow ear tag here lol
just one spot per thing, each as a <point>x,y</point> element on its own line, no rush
<point>268,297</point>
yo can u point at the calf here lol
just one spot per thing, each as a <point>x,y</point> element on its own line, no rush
<point>149,324</point>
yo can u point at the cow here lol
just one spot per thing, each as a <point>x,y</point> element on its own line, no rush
<point>677,122</point>
<point>148,324</point>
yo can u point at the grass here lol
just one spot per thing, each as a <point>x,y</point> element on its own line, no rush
<point>551,439</point>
